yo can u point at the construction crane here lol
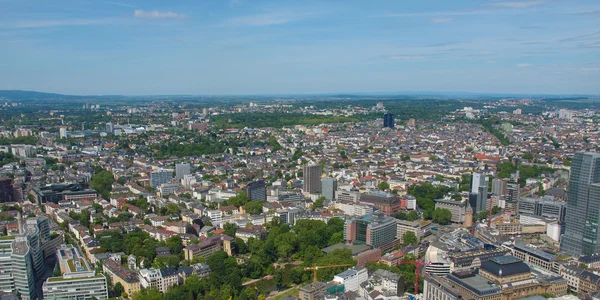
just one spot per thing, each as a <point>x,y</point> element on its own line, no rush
<point>417,264</point>
<point>314,268</point>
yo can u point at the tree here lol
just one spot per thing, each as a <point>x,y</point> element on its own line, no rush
<point>118,289</point>
<point>412,215</point>
<point>172,208</point>
<point>102,181</point>
<point>318,203</point>
<point>441,216</point>
<point>147,294</point>
<point>383,186</point>
<point>278,278</point>
<point>409,238</point>
<point>254,207</point>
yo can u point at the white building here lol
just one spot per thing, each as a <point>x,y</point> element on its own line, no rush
<point>420,228</point>
<point>553,231</point>
<point>79,279</point>
<point>160,279</point>
<point>352,278</point>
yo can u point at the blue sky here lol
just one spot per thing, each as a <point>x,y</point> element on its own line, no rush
<point>270,47</point>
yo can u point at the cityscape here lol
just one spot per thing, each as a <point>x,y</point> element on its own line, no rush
<point>314,150</point>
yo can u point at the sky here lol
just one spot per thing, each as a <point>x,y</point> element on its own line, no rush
<point>211,47</point>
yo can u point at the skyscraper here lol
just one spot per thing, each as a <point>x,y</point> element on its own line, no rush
<point>328,188</point>
<point>182,170</point>
<point>583,204</point>
<point>62,132</point>
<point>312,179</point>
<point>388,120</point>
<point>479,192</point>
<point>499,187</point>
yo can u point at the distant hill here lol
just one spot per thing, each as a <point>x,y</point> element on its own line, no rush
<point>31,95</point>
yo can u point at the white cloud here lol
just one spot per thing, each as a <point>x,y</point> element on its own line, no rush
<point>156,15</point>
<point>441,20</point>
<point>524,65</point>
<point>518,4</point>
<point>264,19</point>
<point>490,61</point>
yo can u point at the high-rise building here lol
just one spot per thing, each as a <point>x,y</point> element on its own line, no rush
<point>499,186</point>
<point>6,190</point>
<point>63,132</point>
<point>328,188</point>
<point>513,192</point>
<point>388,121</point>
<point>110,128</point>
<point>479,192</point>
<point>312,179</point>
<point>257,191</point>
<point>477,180</point>
<point>78,281</point>
<point>182,170</point>
<point>159,177</point>
<point>582,220</point>
<point>22,258</point>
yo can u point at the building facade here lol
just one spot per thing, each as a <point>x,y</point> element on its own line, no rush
<point>312,179</point>
<point>582,219</point>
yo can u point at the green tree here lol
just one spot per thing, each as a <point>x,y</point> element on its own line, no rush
<point>147,294</point>
<point>118,289</point>
<point>318,203</point>
<point>409,238</point>
<point>383,186</point>
<point>254,207</point>
<point>441,216</point>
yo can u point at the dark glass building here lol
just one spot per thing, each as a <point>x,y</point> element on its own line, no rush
<point>388,121</point>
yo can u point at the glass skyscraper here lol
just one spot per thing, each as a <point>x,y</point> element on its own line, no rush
<point>583,206</point>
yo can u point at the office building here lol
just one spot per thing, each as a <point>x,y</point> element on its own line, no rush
<point>20,150</point>
<point>372,230</point>
<point>257,190</point>
<point>388,121</point>
<point>159,177</point>
<point>182,170</point>
<point>110,128</point>
<point>57,192</point>
<point>477,180</point>
<point>328,188</point>
<point>312,291</point>
<point>78,281</point>
<point>513,192</point>
<point>312,179</point>
<point>546,208</point>
<point>457,208</point>
<point>420,228</point>
<point>208,247</point>
<point>583,204</point>
<point>479,193</point>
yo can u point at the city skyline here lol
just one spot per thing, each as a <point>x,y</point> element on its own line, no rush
<point>240,47</point>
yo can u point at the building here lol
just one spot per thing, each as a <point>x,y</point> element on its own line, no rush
<point>23,150</point>
<point>350,196</point>
<point>513,194</point>
<point>161,279</point>
<point>420,228</point>
<point>479,193</point>
<point>159,177</point>
<point>58,192</point>
<point>328,188</point>
<point>477,180</point>
<point>500,278</point>
<point>78,281</point>
<point>312,179</point>
<point>583,204</point>
<point>6,190</point>
<point>352,278</point>
<point>536,257</point>
<point>390,283</point>
<point>372,230</point>
<point>457,208</point>
<point>182,170</point>
<point>499,187</point>
<point>208,247</point>
<point>62,132</point>
<point>257,190</point>
<point>546,208</point>
<point>119,274</point>
<point>354,209</point>
<point>387,203</point>
<point>388,121</point>
<point>110,128</point>
<point>312,291</point>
